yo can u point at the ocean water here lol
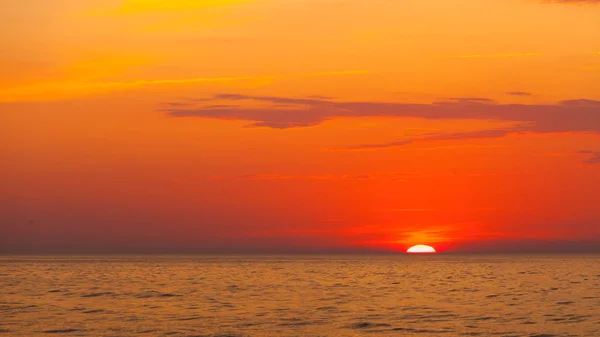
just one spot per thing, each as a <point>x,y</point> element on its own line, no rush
<point>436,295</point>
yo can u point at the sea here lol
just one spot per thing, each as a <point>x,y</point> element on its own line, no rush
<point>301,295</point>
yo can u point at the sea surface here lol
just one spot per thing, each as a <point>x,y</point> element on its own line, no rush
<point>318,295</point>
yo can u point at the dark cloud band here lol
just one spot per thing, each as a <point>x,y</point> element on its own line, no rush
<point>578,115</point>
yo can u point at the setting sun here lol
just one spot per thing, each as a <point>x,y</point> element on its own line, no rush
<point>421,249</point>
<point>300,167</point>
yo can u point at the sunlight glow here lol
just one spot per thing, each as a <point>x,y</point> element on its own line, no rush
<point>421,249</point>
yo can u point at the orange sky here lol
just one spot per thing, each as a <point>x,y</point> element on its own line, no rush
<point>299,125</point>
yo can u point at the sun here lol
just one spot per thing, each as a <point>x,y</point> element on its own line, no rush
<point>421,249</point>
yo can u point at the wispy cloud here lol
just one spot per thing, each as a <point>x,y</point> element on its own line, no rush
<point>519,93</point>
<point>149,6</point>
<point>391,176</point>
<point>342,72</point>
<point>472,56</point>
<point>182,81</point>
<point>594,158</point>
<point>578,115</point>
<point>69,88</point>
<point>589,68</point>
<point>232,79</point>
<point>296,177</point>
<point>580,2</point>
<point>377,146</point>
<point>483,134</point>
<point>176,15</point>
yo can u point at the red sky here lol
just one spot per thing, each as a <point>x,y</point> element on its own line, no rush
<point>147,126</point>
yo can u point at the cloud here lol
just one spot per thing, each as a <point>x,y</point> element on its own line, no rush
<point>519,93</point>
<point>391,176</point>
<point>493,133</point>
<point>221,79</point>
<point>342,72</point>
<point>578,115</point>
<point>379,146</point>
<point>476,56</point>
<point>324,177</point>
<point>594,157</point>
<point>148,6</point>
<point>272,99</point>
<point>68,88</point>
<point>179,81</point>
<point>471,100</point>
<point>580,2</point>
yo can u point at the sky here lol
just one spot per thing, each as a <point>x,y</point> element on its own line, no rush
<point>298,126</point>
